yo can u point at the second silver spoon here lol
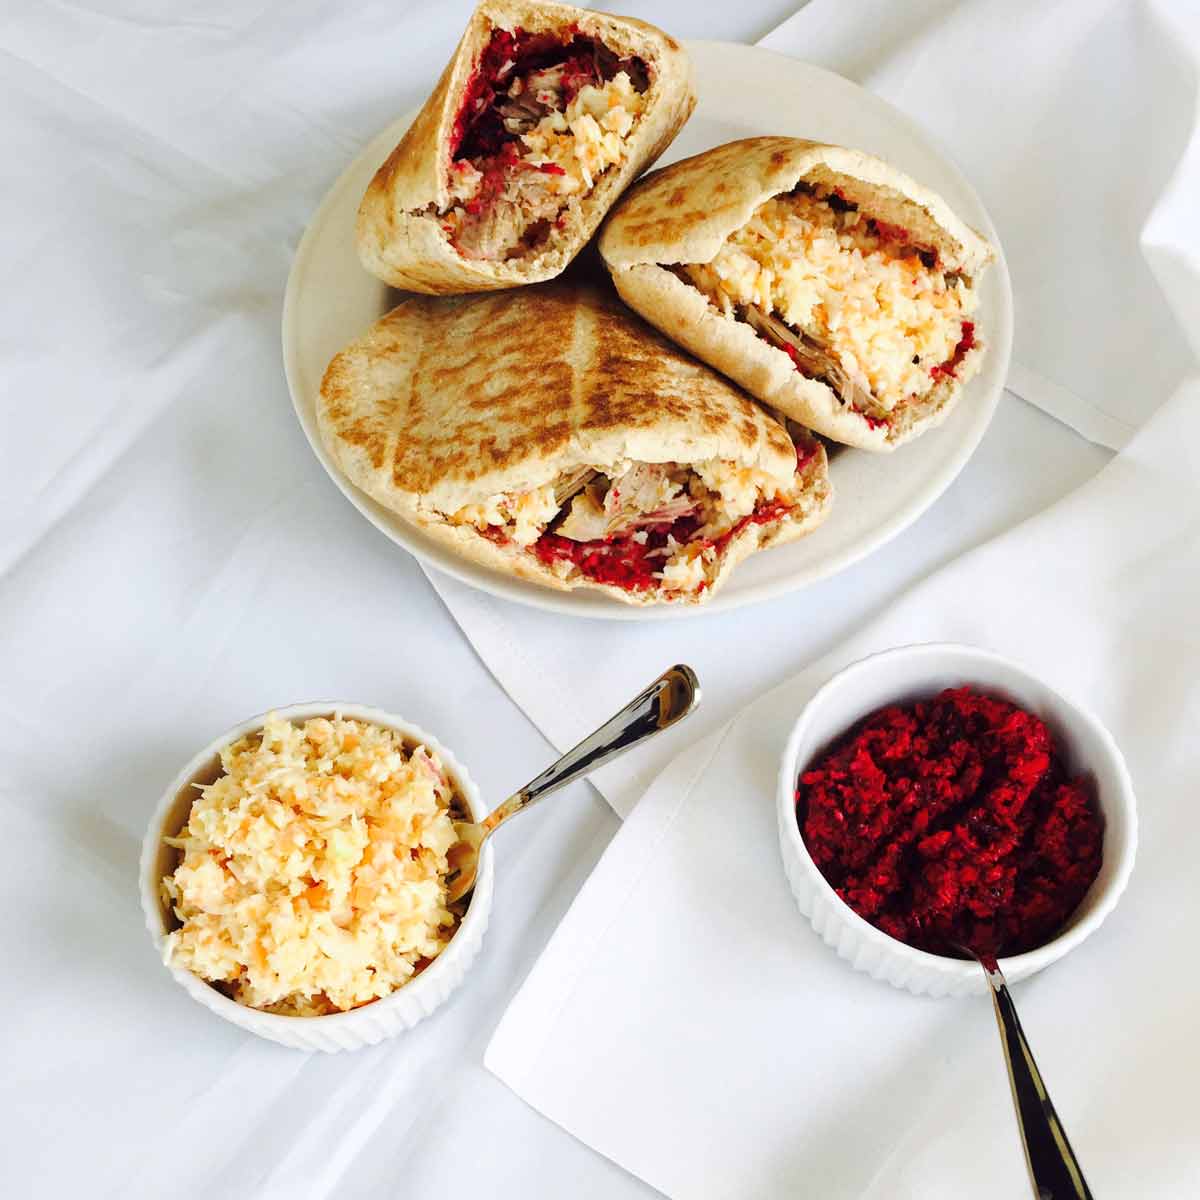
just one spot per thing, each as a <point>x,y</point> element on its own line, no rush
<point>1054,1171</point>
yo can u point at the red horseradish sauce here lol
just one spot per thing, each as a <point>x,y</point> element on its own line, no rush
<point>619,560</point>
<point>479,129</point>
<point>953,822</point>
<point>965,343</point>
<point>624,561</point>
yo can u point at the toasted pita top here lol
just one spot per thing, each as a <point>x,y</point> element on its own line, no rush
<point>684,212</point>
<point>400,238</point>
<point>453,400</point>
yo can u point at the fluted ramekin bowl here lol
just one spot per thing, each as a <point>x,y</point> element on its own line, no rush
<point>373,1022</point>
<point>911,673</point>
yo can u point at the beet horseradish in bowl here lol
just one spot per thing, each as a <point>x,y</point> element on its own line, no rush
<point>939,796</point>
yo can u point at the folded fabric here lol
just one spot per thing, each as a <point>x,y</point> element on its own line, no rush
<point>687,1022</point>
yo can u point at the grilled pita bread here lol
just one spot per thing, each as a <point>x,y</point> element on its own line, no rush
<point>676,220</point>
<point>483,420</point>
<point>411,221</point>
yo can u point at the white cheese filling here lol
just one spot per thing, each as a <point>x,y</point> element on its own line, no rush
<point>889,319</point>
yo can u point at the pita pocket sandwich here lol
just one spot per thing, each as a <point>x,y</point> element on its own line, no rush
<point>828,284</point>
<point>550,434</point>
<point>545,114</point>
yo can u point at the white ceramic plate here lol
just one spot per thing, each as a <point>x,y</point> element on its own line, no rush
<point>743,91</point>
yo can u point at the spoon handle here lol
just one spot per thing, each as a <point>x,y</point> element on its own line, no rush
<point>669,699</point>
<point>1053,1167</point>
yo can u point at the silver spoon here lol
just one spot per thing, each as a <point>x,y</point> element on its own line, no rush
<point>1054,1170</point>
<point>665,702</point>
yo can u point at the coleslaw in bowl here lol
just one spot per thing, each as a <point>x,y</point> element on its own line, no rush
<point>293,876</point>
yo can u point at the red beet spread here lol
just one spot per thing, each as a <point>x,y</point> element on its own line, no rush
<point>965,342</point>
<point>805,453</point>
<point>495,63</point>
<point>953,822</point>
<point>623,562</point>
<point>887,232</point>
<point>617,560</point>
<point>478,130</point>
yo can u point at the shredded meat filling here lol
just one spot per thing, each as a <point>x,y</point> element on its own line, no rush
<point>541,120</point>
<point>572,482</point>
<point>811,357</point>
<point>637,524</point>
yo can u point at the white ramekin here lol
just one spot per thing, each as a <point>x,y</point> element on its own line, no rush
<point>913,672</point>
<point>339,1031</point>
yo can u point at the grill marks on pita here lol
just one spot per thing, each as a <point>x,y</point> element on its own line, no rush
<point>550,433</point>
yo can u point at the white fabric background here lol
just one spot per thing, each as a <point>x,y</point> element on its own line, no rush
<point>172,559</point>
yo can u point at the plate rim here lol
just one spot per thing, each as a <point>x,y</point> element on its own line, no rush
<point>595,606</point>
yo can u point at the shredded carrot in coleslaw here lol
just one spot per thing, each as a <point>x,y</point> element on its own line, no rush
<point>313,869</point>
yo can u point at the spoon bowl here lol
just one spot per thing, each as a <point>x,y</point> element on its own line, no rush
<point>670,698</point>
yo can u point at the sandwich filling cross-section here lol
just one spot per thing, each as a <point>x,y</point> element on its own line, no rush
<point>540,122</point>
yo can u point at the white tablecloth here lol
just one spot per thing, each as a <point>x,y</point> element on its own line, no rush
<point>172,559</point>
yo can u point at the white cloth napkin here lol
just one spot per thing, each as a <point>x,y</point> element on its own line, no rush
<point>1076,122</point>
<point>686,1021</point>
